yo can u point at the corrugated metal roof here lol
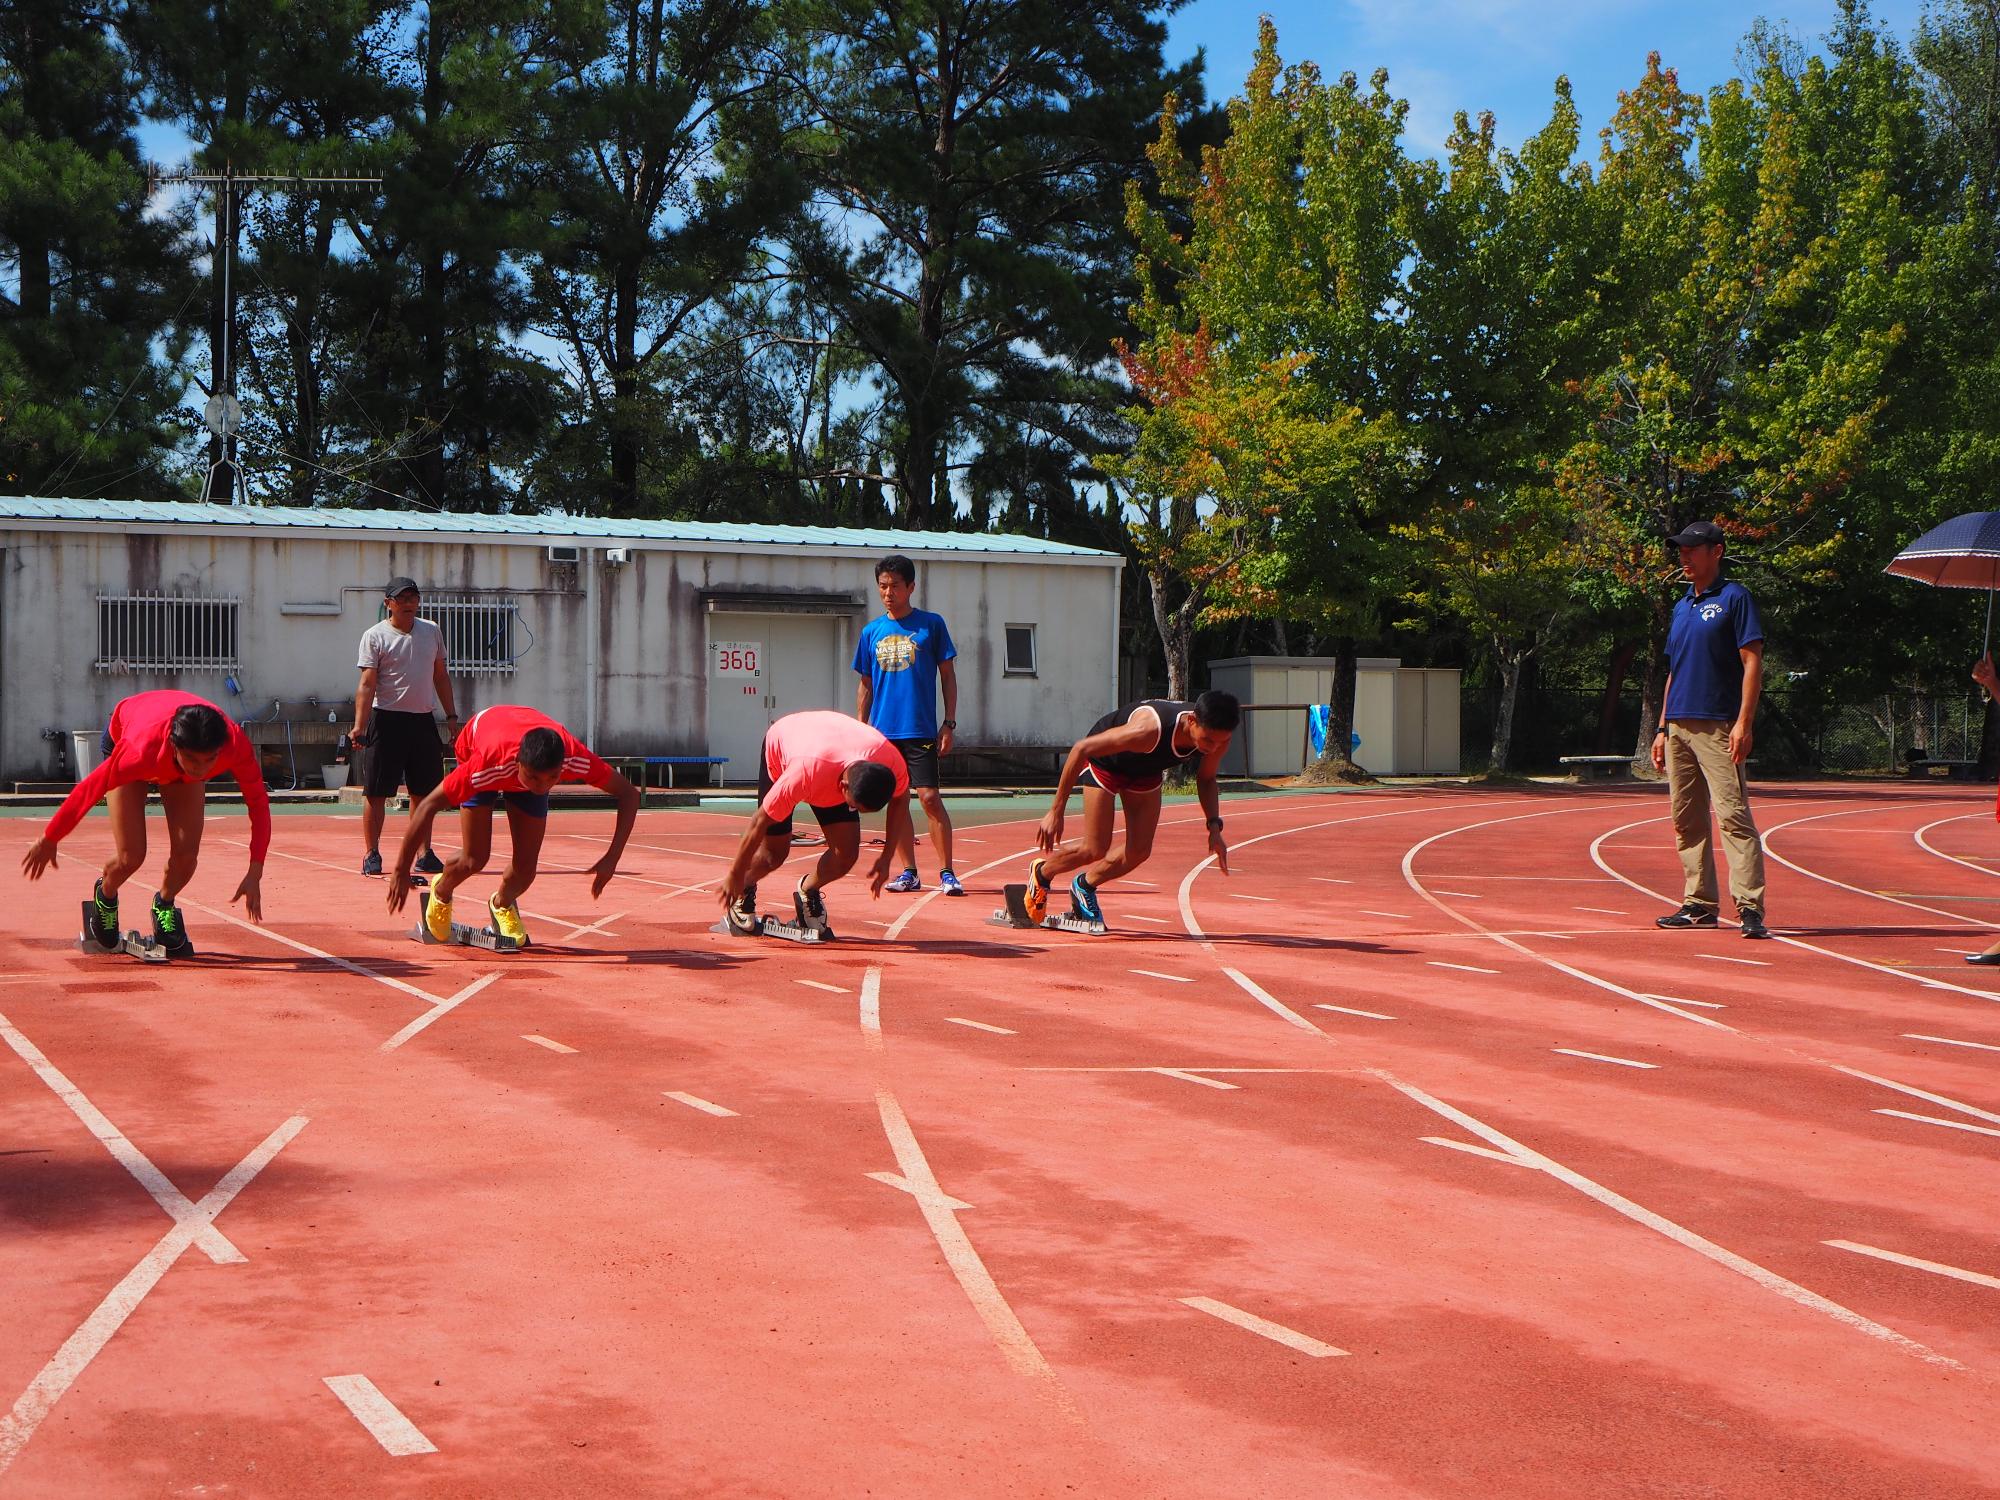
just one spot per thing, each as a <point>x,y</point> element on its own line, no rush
<point>535,527</point>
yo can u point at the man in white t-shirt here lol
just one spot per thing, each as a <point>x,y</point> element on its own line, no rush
<point>404,676</point>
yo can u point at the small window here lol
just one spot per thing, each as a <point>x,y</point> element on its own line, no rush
<point>166,633</point>
<point>1020,651</point>
<point>478,631</point>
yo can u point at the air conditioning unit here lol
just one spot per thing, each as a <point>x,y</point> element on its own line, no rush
<point>617,556</point>
<point>565,554</point>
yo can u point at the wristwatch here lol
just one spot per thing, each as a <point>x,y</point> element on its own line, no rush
<point>948,724</point>
<point>1215,825</point>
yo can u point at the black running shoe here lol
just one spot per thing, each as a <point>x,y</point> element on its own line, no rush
<point>1689,915</point>
<point>811,906</point>
<point>1752,921</point>
<point>169,930</point>
<point>372,865</point>
<point>101,921</point>
<point>428,864</point>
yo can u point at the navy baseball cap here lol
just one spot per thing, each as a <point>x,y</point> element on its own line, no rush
<point>1697,534</point>
<point>397,586</point>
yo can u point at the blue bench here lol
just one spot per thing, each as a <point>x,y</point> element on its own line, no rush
<point>645,762</point>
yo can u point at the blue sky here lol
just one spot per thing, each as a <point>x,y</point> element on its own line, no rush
<point>1502,55</point>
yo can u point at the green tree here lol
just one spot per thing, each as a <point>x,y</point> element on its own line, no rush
<point>98,280</point>
<point>966,162</point>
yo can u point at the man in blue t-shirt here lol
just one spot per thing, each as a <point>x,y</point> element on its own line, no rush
<point>902,658</point>
<point>1715,674</point>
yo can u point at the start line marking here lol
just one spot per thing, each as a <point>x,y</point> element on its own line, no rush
<point>1156,974</point>
<point>1903,1114</point>
<point>1371,1015</point>
<point>1723,958</point>
<point>816,984</point>
<point>542,1041</point>
<point>1291,1338</point>
<point>375,1411</point>
<point>1467,968</point>
<point>1921,1265</point>
<point>1623,1062</point>
<point>981,1026</point>
<point>692,1102</point>
<point>1918,1036</point>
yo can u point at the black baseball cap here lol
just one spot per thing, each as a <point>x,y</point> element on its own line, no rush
<point>400,585</point>
<point>1697,534</point>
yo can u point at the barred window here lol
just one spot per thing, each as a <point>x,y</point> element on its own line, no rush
<point>478,631</point>
<point>166,633</point>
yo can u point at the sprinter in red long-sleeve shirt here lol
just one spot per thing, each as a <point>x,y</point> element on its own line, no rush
<point>177,742</point>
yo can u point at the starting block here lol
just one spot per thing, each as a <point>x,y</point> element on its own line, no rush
<point>772,927</point>
<point>1015,914</point>
<point>142,948</point>
<point>462,936</point>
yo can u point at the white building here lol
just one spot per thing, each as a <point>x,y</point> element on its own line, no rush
<point>645,637</point>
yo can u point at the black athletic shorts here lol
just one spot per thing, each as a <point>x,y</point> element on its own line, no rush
<point>404,748</point>
<point>921,756</point>
<point>828,816</point>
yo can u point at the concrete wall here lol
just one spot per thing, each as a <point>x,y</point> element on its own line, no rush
<point>632,636</point>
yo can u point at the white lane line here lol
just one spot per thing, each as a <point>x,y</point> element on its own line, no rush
<point>1462,895</point>
<point>81,1347</point>
<point>1278,1333</point>
<point>1240,896</point>
<point>542,1041</point>
<point>438,1012</point>
<point>1348,1010</point>
<point>694,1102</point>
<point>1619,1204</point>
<point>1156,974</point>
<point>1506,940</point>
<point>1918,1036</point>
<point>1603,911</point>
<point>1904,1114</point>
<point>970,1271</point>
<point>210,1240</point>
<point>1962,952</point>
<point>1916,1093</point>
<point>902,1185</point>
<point>871,1006</point>
<point>1186,1077</point>
<point>1466,1146</point>
<point>1936,1268</point>
<point>1436,963</point>
<point>818,984</point>
<point>396,1433</point>
<point>1151,885</point>
<point>1682,1000</point>
<point>1132,916</point>
<point>577,929</point>
<point>1723,958</point>
<point>311,952</point>
<point>1329,880</point>
<point>1394,916</point>
<point>1269,1001</point>
<point>981,1026</point>
<point>1623,1062</point>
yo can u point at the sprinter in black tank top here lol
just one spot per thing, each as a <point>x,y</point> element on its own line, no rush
<point>1125,758</point>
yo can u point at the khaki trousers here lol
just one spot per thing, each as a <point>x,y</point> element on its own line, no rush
<point>1700,775</point>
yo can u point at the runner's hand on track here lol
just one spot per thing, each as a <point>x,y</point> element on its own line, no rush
<point>399,888</point>
<point>251,894</point>
<point>878,873</point>
<point>41,856</point>
<point>1220,850</point>
<point>600,876</point>
<point>1049,833</point>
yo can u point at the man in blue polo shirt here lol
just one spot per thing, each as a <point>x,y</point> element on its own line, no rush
<point>1715,674</point>
<point>902,658</point>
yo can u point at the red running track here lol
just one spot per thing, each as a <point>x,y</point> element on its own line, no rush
<point>1407,1160</point>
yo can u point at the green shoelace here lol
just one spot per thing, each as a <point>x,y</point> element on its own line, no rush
<point>168,919</point>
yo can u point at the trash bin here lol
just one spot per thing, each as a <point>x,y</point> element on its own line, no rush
<point>335,775</point>
<point>86,746</point>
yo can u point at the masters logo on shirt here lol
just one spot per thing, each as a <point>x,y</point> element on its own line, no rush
<point>1711,610</point>
<point>895,653</point>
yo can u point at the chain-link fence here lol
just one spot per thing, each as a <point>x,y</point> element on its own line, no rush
<point>1796,732</point>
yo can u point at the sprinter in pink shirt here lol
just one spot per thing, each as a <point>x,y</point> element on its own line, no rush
<point>840,768</point>
<point>175,741</point>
